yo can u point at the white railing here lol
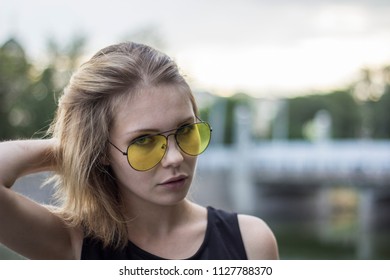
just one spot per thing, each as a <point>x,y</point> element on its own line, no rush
<point>355,160</point>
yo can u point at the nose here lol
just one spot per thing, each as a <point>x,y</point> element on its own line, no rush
<point>173,155</point>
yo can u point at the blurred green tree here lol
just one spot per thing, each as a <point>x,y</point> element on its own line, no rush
<point>344,112</point>
<point>28,92</point>
<point>14,85</point>
<point>233,102</point>
<point>28,96</point>
<point>372,94</point>
<point>381,116</point>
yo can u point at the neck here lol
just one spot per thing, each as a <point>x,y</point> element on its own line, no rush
<point>153,219</point>
<point>155,228</point>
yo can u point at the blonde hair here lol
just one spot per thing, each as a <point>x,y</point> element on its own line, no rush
<point>86,190</point>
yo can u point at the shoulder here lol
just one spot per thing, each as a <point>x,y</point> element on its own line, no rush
<point>259,241</point>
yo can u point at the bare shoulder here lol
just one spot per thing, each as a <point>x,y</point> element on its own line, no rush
<point>259,240</point>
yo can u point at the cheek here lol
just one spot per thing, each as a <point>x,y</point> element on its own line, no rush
<point>120,166</point>
<point>125,175</point>
<point>191,161</point>
<point>116,160</point>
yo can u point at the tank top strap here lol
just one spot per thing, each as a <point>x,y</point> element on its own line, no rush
<point>223,238</point>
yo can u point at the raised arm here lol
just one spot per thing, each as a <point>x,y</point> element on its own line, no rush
<point>25,226</point>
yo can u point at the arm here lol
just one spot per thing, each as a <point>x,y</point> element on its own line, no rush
<point>19,158</point>
<point>25,226</point>
<point>259,241</point>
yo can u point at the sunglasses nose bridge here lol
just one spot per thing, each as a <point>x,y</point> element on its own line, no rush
<point>165,145</point>
<point>187,140</point>
<point>172,152</point>
<point>167,140</point>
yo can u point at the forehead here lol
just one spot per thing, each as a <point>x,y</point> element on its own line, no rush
<point>153,107</point>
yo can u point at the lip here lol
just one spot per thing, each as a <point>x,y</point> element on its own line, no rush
<point>174,182</point>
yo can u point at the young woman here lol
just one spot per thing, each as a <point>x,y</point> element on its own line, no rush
<point>124,146</point>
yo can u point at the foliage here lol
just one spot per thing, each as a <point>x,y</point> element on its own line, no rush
<point>27,93</point>
<point>380,122</point>
<point>28,99</point>
<point>350,118</point>
<point>344,112</point>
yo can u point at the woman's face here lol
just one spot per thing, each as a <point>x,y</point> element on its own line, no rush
<point>153,110</point>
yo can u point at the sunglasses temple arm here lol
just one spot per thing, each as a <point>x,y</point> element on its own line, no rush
<point>124,153</point>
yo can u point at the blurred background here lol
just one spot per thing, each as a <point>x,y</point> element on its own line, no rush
<point>297,92</point>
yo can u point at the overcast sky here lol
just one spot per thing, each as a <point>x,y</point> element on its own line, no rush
<point>261,47</point>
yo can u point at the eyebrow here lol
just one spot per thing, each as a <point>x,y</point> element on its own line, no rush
<point>155,130</point>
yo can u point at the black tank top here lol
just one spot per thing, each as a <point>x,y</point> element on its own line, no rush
<point>222,241</point>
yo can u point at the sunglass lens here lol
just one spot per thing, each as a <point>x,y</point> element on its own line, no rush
<point>146,152</point>
<point>194,139</point>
